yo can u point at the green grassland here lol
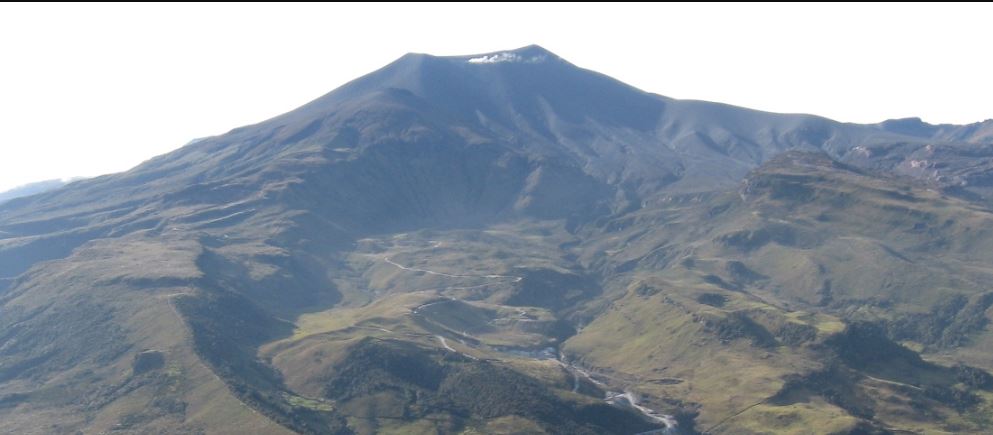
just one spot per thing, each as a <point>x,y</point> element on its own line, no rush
<point>738,312</point>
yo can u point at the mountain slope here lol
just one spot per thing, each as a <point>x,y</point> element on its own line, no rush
<point>509,223</point>
<point>979,132</point>
<point>32,188</point>
<point>776,278</point>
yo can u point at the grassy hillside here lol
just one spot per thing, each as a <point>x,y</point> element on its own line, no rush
<point>445,246</point>
<point>757,293</point>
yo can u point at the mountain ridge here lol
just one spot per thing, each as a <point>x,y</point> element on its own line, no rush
<point>510,222</point>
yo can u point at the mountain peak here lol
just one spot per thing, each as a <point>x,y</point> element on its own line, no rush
<point>446,225</point>
<point>507,87</point>
<point>529,54</point>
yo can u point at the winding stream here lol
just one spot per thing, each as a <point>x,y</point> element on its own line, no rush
<point>623,399</point>
<point>627,398</point>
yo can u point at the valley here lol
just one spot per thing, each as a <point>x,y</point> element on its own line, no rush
<point>461,247</point>
<point>538,349</point>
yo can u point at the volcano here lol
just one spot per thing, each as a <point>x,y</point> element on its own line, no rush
<point>508,243</point>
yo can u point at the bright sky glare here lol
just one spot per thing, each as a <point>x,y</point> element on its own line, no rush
<point>98,88</point>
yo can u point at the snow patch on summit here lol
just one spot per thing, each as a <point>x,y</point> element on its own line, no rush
<point>506,57</point>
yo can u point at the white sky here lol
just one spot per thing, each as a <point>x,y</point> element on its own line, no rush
<point>92,89</point>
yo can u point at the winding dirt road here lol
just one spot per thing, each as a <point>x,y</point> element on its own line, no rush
<point>450,275</point>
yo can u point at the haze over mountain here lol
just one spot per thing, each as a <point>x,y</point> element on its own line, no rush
<point>508,243</point>
<point>34,188</point>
